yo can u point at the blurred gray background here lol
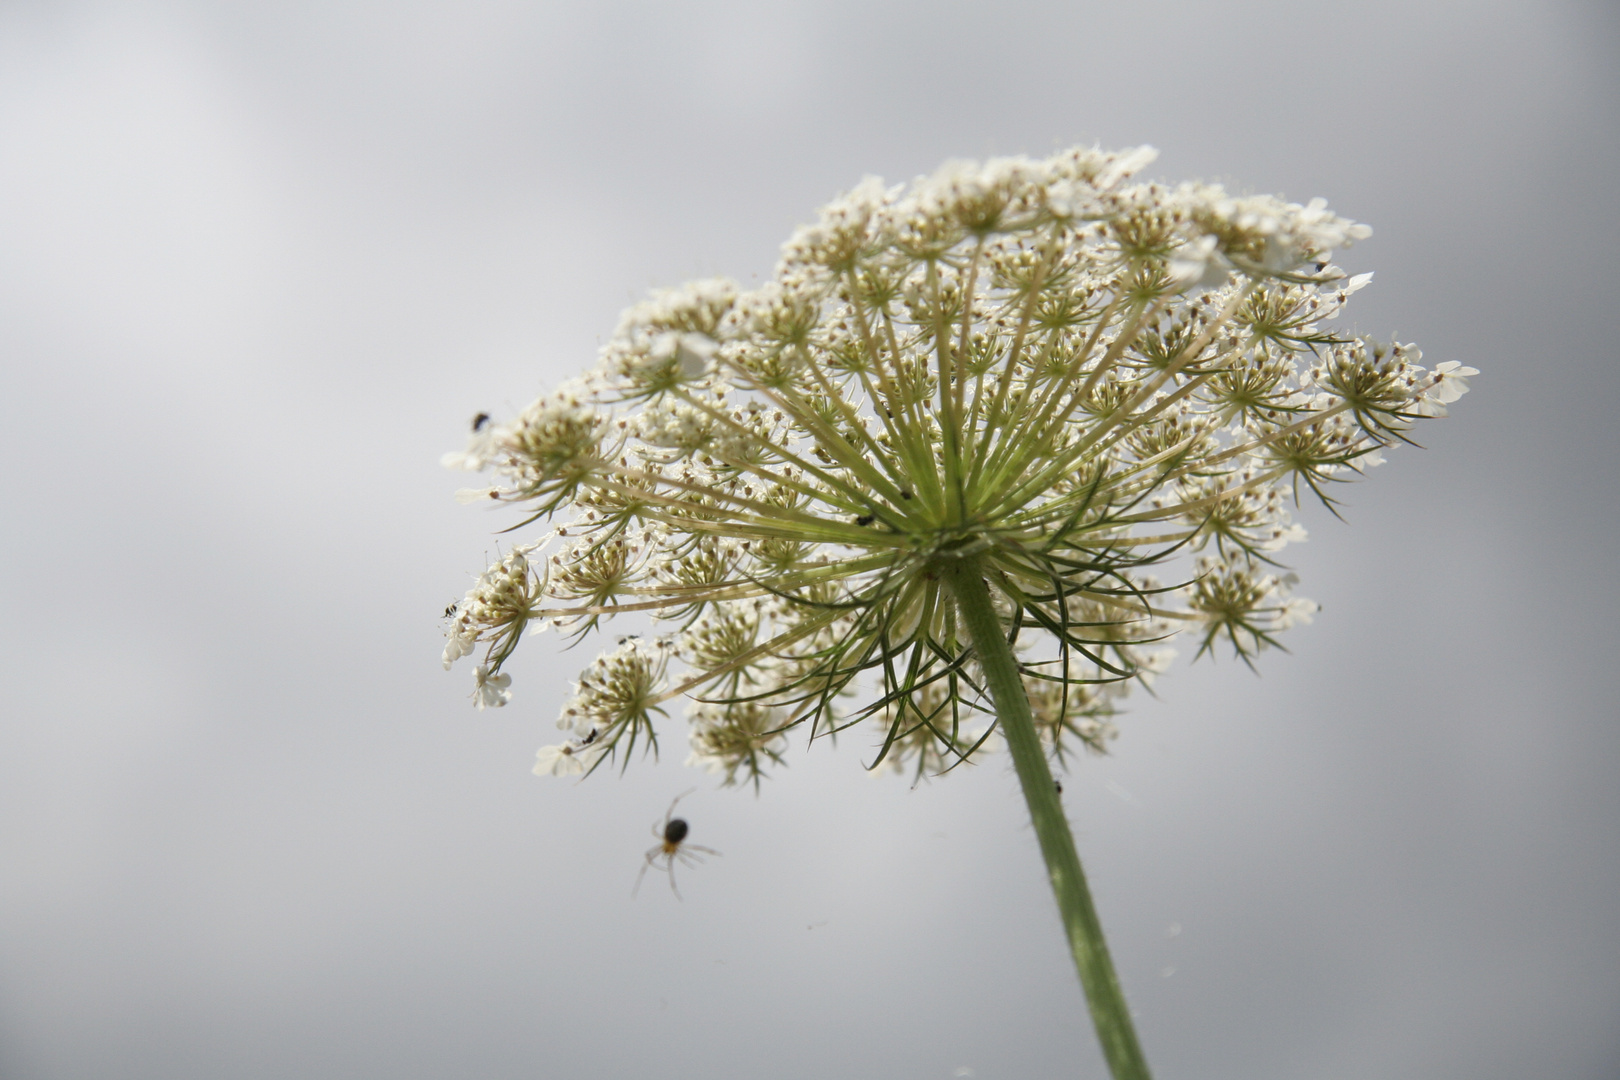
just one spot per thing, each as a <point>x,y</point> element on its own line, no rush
<point>259,265</point>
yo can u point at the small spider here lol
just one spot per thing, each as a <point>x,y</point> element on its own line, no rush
<point>671,848</point>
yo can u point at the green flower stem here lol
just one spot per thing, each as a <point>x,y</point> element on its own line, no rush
<point>1109,1012</point>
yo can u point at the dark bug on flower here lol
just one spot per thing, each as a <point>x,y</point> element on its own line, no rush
<point>671,848</point>
<point>479,421</point>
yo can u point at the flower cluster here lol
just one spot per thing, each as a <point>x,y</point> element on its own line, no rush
<point>1070,377</point>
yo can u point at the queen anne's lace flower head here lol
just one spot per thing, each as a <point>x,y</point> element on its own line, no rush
<point>1085,382</point>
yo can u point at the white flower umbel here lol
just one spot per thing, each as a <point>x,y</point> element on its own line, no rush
<point>931,474</point>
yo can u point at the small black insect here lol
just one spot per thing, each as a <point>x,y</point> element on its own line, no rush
<point>671,848</point>
<point>1057,785</point>
<point>865,520</point>
<point>479,421</point>
<point>587,740</point>
<point>904,494</point>
<point>451,610</point>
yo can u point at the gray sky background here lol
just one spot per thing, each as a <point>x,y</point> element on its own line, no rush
<point>259,264</point>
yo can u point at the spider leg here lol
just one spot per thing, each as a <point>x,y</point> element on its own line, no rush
<point>671,811</point>
<point>672,887</point>
<point>651,853</point>
<point>692,858</point>
<point>641,874</point>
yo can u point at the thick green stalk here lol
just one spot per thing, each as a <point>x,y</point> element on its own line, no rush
<point>1109,1012</point>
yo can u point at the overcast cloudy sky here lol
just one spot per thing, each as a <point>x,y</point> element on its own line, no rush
<point>259,264</point>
